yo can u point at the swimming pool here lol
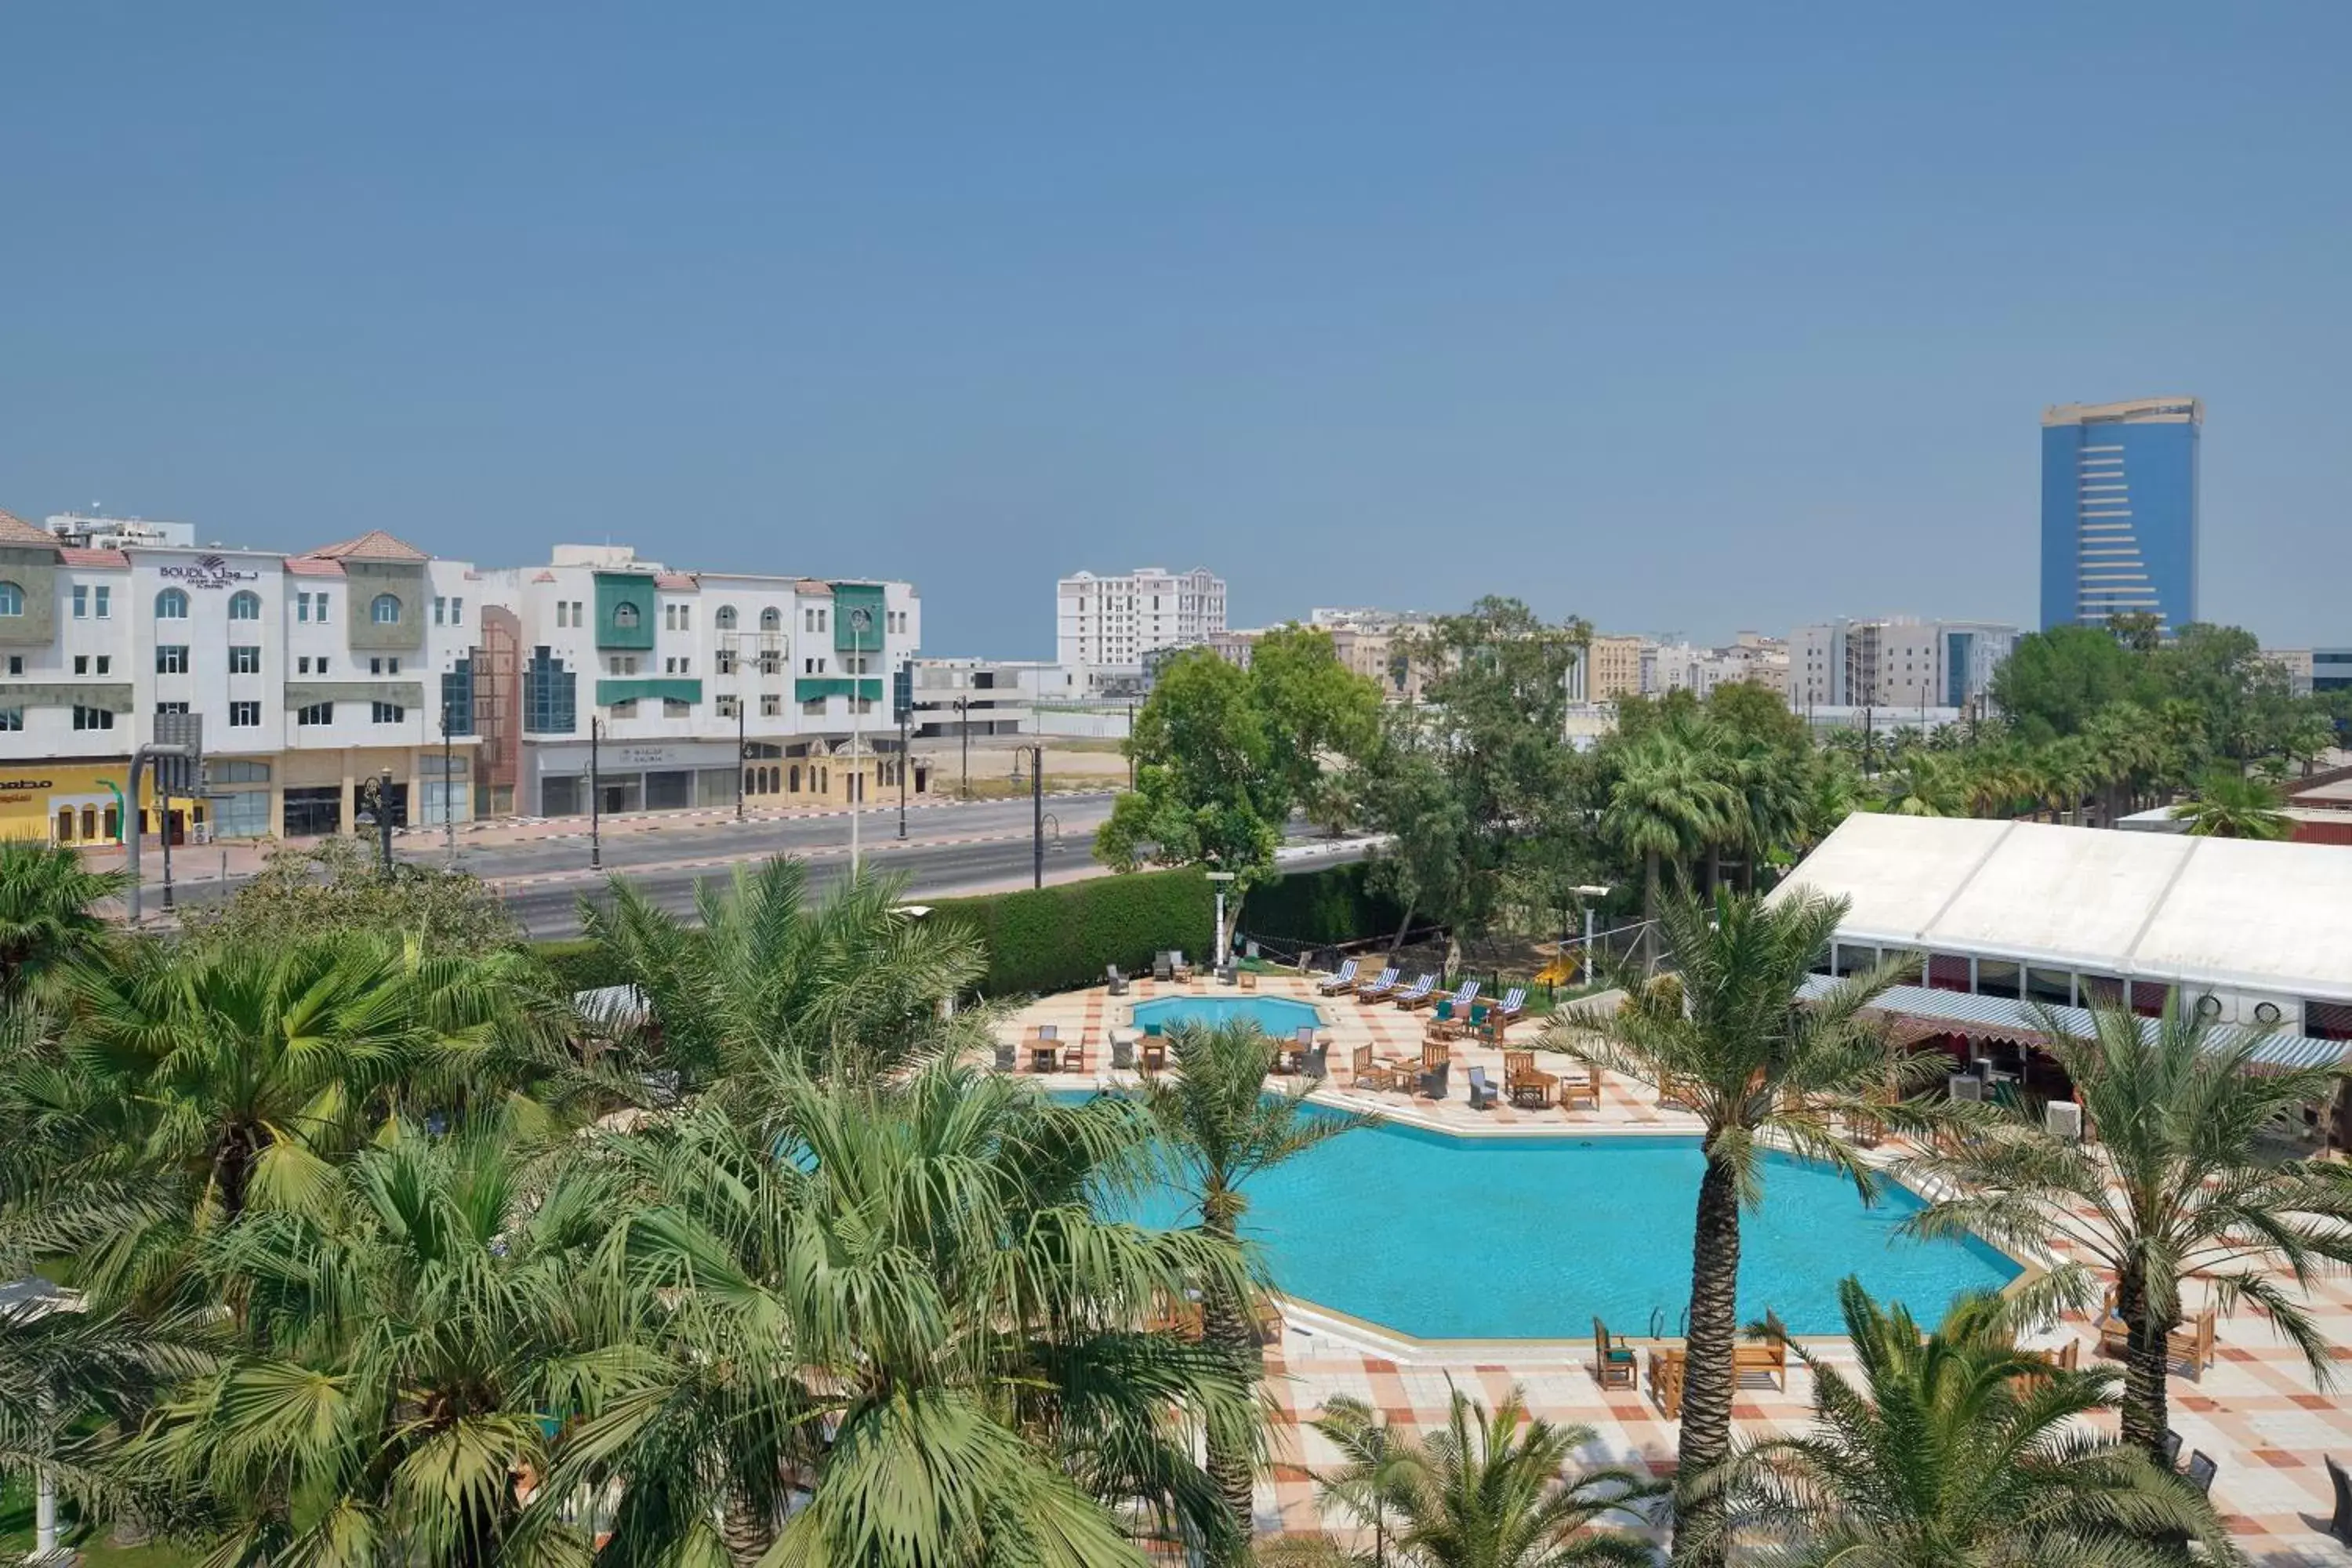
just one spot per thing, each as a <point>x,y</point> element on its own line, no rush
<point>1443,1238</point>
<point>1278,1015</point>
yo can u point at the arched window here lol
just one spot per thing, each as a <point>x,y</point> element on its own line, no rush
<point>171,604</point>
<point>244,606</point>
<point>625,615</point>
<point>12,599</point>
<point>772,619</point>
<point>726,621</point>
<point>384,609</point>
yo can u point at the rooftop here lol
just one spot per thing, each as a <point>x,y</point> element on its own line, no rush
<point>2134,411</point>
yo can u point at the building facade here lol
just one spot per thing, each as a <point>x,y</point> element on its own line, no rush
<point>1123,620</point>
<point>2119,510</point>
<point>1613,668</point>
<point>2331,669</point>
<point>1896,663</point>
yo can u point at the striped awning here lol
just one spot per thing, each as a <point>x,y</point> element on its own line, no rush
<point>2007,1018</point>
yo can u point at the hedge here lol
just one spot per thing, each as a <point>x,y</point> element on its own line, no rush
<point>578,963</point>
<point>1052,939</point>
<point>1315,907</point>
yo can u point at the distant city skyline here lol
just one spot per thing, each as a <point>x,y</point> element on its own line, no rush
<point>1701,322</point>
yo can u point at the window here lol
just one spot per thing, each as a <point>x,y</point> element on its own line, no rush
<point>623,664</point>
<point>578,619</point>
<point>81,664</point>
<point>673,709</point>
<point>244,715</point>
<point>105,663</point>
<point>550,694</point>
<point>12,600</point>
<point>771,661</point>
<point>440,610</point>
<point>105,602</point>
<point>245,605</point>
<point>171,604</point>
<point>771,706</point>
<point>725,620</point>
<point>677,617</point>
<point>16,664</point>
<point>301,606</point>
<point>678,666</point>
<point>625,616</point>
<point>563,615</point>
<point>726,662</point>
<point>12,719</point>
<point>171,707</point>
<point>388,713</point>
<point>813,708</point>
<point>626,708</point>
<point>314,714</point>
<point>772,619</point>
<point>384,609</point>
<point>244,660</point>
<point>725,707</point>
<point>390,666</point>
<point>171,659</point>
<point>81,602</point>
<point>92,717</point>
<point>456,612</point>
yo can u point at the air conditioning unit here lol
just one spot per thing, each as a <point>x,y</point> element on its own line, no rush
<point>2063,1118</point>
<point>1965,1085</point>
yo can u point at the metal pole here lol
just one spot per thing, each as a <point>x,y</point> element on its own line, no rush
<point>449,804</point>
<point>1037,808</point>
<point>902,776</point>
<point>163,821</point>
<point>856,779</point>
<point>743,741</point>
<point>1130,742</point>
<point>1587,975</point>
<point>595,795</point>
<point>131,825</point>
<point>963,723</point>
<point>382,819</point>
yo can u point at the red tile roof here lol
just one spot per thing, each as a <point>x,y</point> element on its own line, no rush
<point>17,531</point>
<point>75,556</point>
<point>375,544</point>
<point>684,581</point>
<point>544,577</point>
<point>311,566</point>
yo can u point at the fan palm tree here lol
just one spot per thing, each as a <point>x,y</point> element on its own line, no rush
<point>904,1303</point>
<point>848,982</point>
<point>2066,773</point>
<point>1221,1129</point>
<point>1756,1065</point>
<point>1958,1449</point>
<point>1489,1490</point>
<point>2232,805</point>
<point>406,1332</point>
<point>47,917</point>
<point>1925,784</point>
<point>2175,1187</point>
<point>1669,803</point>
<point>1831,790</point>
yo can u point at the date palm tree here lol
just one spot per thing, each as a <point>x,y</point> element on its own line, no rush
<point>905,1304</point>
<point>1670,802</point>
<point>2175,1187</point>
<point>2233,805</point>
<point>1957,1448</point>
<point>47,911</point>
<point>1757,1065</point>
<point>1490,1490</point>
<point>1376,1460</point>
<point>1221,1129</point>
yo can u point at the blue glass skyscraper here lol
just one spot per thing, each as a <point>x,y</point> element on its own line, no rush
<point>2119,510</point>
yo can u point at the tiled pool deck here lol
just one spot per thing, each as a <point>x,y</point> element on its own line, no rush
<point>2255,1411</point>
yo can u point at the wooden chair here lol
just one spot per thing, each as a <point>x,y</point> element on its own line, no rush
<point>2066,1358</point>
<point>1614,1365</point>
<point>1666,1364</point>
<point>1152,1054</point>
<point>2191,1344</point>
<point>1523,1083</point>
<point>1074,1057</point>
<point>1365,1073</point>
<point>1767,1357</point>
<point>1584,1096</point>
<point>1675,1091</point>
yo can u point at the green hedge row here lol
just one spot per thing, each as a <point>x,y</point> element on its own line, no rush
<point>1052,939</point>
<point>1311,908</point>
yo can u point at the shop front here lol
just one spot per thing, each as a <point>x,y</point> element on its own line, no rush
<point>670,775</point>
<point>81,803</point>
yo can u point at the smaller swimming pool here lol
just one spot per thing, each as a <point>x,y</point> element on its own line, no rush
<point>1278,1015</point>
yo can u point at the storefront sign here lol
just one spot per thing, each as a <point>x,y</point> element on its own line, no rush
<point>209,572</point>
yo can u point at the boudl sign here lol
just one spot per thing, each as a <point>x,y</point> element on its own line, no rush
<point>209,572</point>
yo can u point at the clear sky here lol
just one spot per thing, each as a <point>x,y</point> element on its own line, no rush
<point>1679,316</point>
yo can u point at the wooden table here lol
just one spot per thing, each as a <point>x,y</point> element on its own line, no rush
<point>1044,1055</point>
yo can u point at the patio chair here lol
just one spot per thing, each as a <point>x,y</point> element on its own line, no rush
<point>1317,1065</point>
<point>1114,981</point>
<point>2168,1451</point>
<point>1163,967</point>
<point>1523,1083</point>
<point>2193,1344</point>
<point>1435,1062</point>
<point>1122,1052</point>
<point>1766,1357</point>
<point>1380,985</point>
<point>1585,1095</point>
<point>1483,1092</point>
<point>1365,1073</point>
<point>1418,993</point>
<point>1666,1364</point>
<point>1614,1365</point>
<point>1341,979</point>
<point>1008,1057</point>
<point>1074,1057</point>
<point>2201,1471</point>
<point>1181,971</point>
<point>2339,1523</point>
<point>1154,1055</point>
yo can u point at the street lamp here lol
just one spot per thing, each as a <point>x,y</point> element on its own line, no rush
<point>743,741</point>
<point>1590,893</point>
<point>964,725</point>
<point>1037,808</point>
<point>1218,947</point>
<point>861,626</point>
<point>595,796</point>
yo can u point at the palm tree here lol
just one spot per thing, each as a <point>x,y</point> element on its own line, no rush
<point>405,1333</point>
<point>1831,790</point>
<point>848,982</point>
<point>2232,805</point>
<point>1757,1065</point>
<point>1669,803</point>
<point>1376,1462</point>
<point>1959,1449</point>
<point>1925,784</point>
<point>1490,1490</point>
<point>2066,772</point>
<point>906,1301</point>
<point>1220,1129</point>
<point>2175,1187</point>
<point>47,919</point>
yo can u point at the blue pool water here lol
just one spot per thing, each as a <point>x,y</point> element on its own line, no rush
<point>1278,1015</point>
<point>1460,1238</point>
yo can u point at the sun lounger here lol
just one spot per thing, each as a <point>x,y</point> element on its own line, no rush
<point>1380,985</point>
<point>1500,1019</point>
<point>1413,996</point>
<point>1614,1365</point>
<point>1341,979</point>
<point>1483,1092</point>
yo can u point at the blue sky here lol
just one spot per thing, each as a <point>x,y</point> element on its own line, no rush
<point>1682,318</point>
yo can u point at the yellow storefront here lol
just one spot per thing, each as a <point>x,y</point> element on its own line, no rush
<point>76,802</point>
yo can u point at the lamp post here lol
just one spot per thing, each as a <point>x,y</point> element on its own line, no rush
<point>861,625</point>
<point>1590,893</point>
<point>1218,947</point>
<point>902,775</point>
<point>1130,744</point>
<point>595,793</point>
<point>383,819</point>
<point>1037,810</point>
<point>964,725</point>
<point>742,737</point>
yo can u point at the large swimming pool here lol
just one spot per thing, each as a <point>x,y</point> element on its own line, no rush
<point>1443,1238</point>
<point>1278,1016</point>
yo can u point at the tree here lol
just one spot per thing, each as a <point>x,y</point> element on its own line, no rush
<point>1317,708</point>
<point>905,1300</point>
<point>1958,1448</point>
<point>1757,715</point>
<point>1670,802</point>
<point>1925,784</point>
<point>2053,681</point>
<point>1376,1464</point>
<point>1490,1490</point>
<point>2231,805</point>
<point>48,919</point>
<point>1208,785</point>
<point>2175,1186</point>
<point>1221,1129</point>
<point>1756,1066</point>
<point>336,885</point>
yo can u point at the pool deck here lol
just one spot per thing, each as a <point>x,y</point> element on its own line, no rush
<point>2255,1411</point>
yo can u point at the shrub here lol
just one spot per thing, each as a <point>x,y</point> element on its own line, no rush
<point>1311,908</point>
<point>1052,939</point>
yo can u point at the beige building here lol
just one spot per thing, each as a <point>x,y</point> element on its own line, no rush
<point>1613,668</point>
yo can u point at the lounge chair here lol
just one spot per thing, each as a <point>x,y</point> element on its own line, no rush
<point>2191,1344</point>
<point>1181,971</point>
<point>1523,1083</point>
<point>1163,967</point>
<point>1316,1064</point>
<point>1509,1011</point>
<point>1483,1092</point>
<point>1614,1365</point>
<point>1435,1062</point>
<point>1341,979</point>
<point>2201,1471</point>
<point>1114,981</point>
<point>1580,1094</point>
<point>1380,985</point>
<point>1414,995</point>
<point>2339,1523</point>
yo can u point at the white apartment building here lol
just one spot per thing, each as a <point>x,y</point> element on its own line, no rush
<point>1897,662</point>
<point>657,689</point>
<point>1683,667</point>
<point>1123,620</point>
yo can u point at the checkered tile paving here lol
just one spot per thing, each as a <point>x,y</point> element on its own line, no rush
<point>2255,1411</point>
